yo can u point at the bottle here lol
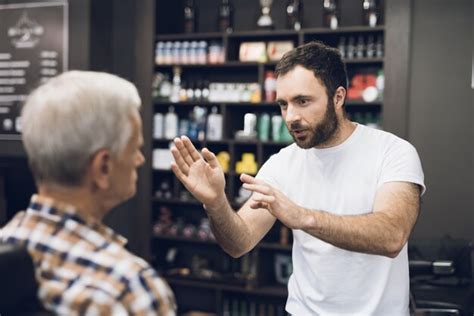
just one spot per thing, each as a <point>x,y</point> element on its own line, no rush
<point>190,92</point>
<point>264,127</point>
<point>370,52</point>
<point>171,124</point>
<point>197,91</point>
<point>370,12</point>
<point>190,17</point>
<point>379,47</point>
<point>176,85</point>
<point>350,50</point>
<point>205,91</point>
<point>158,126</point>
<point>214,125</point>
<point>226,16</point>
<point>183,96</point>
<point>330,14</point>
<point>294,12</point>
<point>360,47</point>
<point>270,86</point>
<point>342,46</point>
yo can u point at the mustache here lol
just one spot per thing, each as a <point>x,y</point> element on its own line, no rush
<point>295,126</point>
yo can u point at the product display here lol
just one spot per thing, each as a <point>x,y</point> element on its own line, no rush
<point>294,14</point>
<point>330,14</point>
<point>265,20</point>
<point>370,12</point>
<point>224,95</point>
<point>189,53</point>
<point>226,16</point>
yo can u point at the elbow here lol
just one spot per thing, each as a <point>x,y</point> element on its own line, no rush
<point>395,245</point>
<point>236,252</point>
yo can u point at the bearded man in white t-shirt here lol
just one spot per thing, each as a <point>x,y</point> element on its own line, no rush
<point>350,194</point>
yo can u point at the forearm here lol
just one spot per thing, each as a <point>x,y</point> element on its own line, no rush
<point>229,229</point>
<point>373,233</point>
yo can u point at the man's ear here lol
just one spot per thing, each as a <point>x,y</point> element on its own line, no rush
<point>101,168</point>
<point>339,97</point>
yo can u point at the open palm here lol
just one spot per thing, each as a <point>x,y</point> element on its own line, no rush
<point>201,175</point>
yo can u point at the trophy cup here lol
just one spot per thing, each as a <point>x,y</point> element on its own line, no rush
<point>265,21</point>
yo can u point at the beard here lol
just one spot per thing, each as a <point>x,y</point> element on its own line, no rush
<point>319,135</point>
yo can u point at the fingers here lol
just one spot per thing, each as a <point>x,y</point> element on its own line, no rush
<point>245,178</point>
<point>191,150</point>
<point>181,164</point>
<point>260,188</point>
<point>179,173</point>
<point>183,151</point>
<point>210,158</point>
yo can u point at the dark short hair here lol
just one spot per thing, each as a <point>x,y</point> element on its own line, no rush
<point>324,61</point>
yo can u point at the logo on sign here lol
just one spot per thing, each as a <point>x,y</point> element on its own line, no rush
<point>26,33</point>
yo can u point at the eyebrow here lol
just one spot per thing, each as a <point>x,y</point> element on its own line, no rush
<point>295,98</point>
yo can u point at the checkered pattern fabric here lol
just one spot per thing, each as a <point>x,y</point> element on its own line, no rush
<point>82,266</point>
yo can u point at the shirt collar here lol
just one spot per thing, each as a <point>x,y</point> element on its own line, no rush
<point>59,210</point>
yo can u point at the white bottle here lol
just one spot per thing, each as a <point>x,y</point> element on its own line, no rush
<point>176,88</point>
<point>158,126</point>
<point>214,125</point>
<point>171,124</point>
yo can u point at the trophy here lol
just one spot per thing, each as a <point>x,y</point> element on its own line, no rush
<point>265,20</point>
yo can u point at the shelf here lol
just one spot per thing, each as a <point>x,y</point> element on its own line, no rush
<point>343,29</point>
<point>263,33</point>
<point>277,290</point>
<point>268,33</point>
<point>185,239</point>
<point>190,36</point>
<point>261,245</point>
<point>228,64</point>
<point>174,201</point>
<point>226,141</point>
<point>205,103</point>
<point>274,246</point>
<point>364,61</point>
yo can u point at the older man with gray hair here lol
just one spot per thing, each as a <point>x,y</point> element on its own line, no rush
<point>82,134</point>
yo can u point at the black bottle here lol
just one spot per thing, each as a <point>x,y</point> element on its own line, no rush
<point>190,17</point>
<point>294,14</point>
<point>226,16</point>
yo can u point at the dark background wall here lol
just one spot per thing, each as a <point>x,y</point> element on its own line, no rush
<point>440,120</point>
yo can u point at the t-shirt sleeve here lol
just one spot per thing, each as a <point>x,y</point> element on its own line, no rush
<point>402,163</point>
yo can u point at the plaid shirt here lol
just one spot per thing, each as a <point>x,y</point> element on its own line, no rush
<point>82,266</point>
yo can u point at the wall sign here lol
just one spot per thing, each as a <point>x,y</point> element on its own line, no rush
<point>33,48</point>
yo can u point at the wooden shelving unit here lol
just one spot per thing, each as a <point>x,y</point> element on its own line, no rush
<point>263,286</point>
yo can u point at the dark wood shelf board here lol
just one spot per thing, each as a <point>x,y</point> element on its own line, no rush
<point>363,103</point>
<point>276,290</point>
<point>185,239</point>
<point>343,29</point>
<point>274,246</point>
<point>174,201</point>
<point>190,36</point>
<point>228,64</point>
<point>364,61</point>
<point>267,33</point>
<point>204,103</point>
<point>263,33</point>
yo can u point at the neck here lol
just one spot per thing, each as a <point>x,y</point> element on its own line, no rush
<point>344,130</point>
<point>81,197</point>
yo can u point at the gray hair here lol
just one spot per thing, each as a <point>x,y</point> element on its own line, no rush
<point>70,117</point>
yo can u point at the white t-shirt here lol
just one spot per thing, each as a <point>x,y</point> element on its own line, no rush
<point>343,180</point>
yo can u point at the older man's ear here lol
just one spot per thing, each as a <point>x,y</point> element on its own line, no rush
<point>101,168</point>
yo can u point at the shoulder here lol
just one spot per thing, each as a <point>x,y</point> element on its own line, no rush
<point>384,140</point>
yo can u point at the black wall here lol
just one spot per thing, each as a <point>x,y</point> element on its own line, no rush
<point>440,120</point>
